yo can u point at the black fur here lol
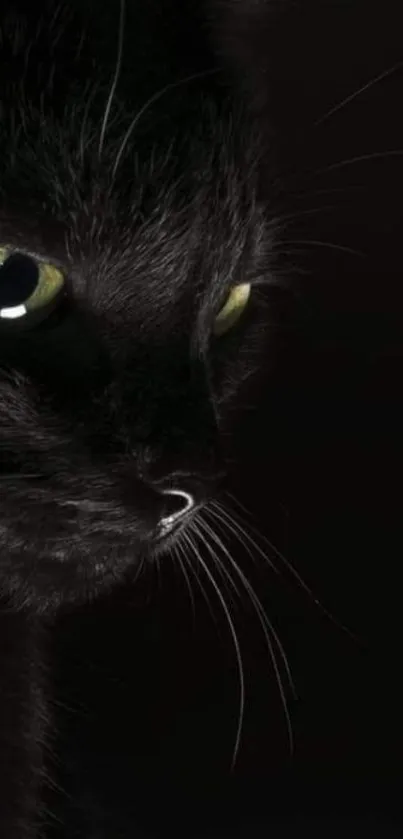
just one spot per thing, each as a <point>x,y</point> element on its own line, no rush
<point>125,372</point>
<point>123,388</point>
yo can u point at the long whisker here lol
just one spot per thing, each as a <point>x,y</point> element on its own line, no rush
<point>239,532</point>
<point>139,572</point>
<point>318,243</point>
<point>287,564</point>
<point>193,570</point>
<point>277,224</point>
<point>235,641</point>
<point>84,122</point>
<point>116,75</point>
<point>279,220</point>
<point>362,158</point>
<point>290,568</point>
<point>225,523</point>
<point>144,108</point>
<point>358,92</point>
<point>268,631</point>
<point>249,588</point>
<point>158,566</point>
<point>176,553</point>
<point>186,561</point>
<point>223,571</point>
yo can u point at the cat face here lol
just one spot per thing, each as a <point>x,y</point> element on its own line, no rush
<point>127,255</point>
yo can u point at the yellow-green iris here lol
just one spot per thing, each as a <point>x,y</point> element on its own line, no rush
<point>234,305</point>
<point>27,285</point>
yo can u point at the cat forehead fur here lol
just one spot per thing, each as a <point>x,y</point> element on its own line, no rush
<point>148,205</point>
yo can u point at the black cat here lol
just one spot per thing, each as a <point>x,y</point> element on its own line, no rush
<point>131,240</point>
<point>144,195</point>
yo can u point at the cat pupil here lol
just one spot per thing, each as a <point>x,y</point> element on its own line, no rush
<point>19,276</point>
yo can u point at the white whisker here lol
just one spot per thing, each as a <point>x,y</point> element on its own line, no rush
<point>273,548</point>
<point>362,158</point>
<point>205,596</point>
<point>239,532</point>
<point>358,92</point>
<point>176,553</point>
<point>139,571</point>
<point>290,568</point>
<point>278,224</point>
<point>318,243</point>
<point>144,108</point>
<point>268,631</point>
<point>222,570</point>
<point>84,123</point>
<point>115,77</point>
<point>157,565</point>
<point>235,641</point>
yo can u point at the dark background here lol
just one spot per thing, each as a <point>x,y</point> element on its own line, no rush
<point>150,715</point>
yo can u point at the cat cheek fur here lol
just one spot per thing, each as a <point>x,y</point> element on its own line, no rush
<point>144,192</point>
<point>74,517</point>
<point>128,375</point>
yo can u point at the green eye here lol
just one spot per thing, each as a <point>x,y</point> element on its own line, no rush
<point>234,305</point>
<point>28,286</point>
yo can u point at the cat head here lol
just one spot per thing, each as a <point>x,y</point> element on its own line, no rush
<point>129,254</point>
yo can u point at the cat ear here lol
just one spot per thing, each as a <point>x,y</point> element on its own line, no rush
<point>245,35</point>
<point>243,32</point>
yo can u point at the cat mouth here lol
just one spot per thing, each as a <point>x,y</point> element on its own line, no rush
<point>169,531</point>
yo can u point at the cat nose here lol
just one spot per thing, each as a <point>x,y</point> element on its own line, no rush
<point>178,504</point>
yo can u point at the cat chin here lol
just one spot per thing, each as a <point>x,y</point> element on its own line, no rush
<point>44,593</point>
<point>48,579</point>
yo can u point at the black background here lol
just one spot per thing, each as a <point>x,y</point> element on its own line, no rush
<point>319,465</point>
